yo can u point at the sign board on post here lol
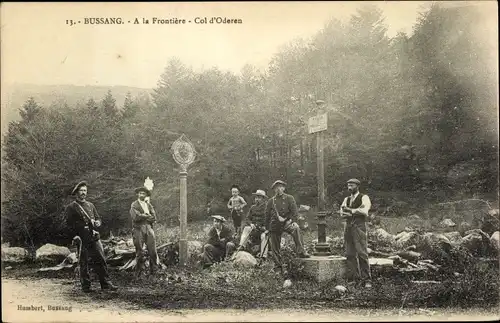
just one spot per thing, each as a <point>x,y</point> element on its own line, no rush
<point>318,123</point>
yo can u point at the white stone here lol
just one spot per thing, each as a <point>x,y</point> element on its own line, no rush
<point>51,252</point>
<point>244,259</point>
<point>495,240</point>
<point>14,254</point>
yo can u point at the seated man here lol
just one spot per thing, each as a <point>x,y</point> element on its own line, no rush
<point>254,230</point>
<point>220,242</point>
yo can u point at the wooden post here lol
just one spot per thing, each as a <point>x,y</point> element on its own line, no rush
<point>184,154</point>
<point>183,252</point>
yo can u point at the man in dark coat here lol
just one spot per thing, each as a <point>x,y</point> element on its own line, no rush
<point>83,220</point>
<point>220,243</point>
<point>281,216</point>
<point>354,210</point>
<point>254,230</point>
<point>143,217</point>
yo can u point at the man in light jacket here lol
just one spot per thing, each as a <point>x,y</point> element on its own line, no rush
<point>143,217</point>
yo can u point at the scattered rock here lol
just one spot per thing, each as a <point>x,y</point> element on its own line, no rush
<point>341,289</point>
<point>447,223</point>
<point>52,253</point>
<point>476,242</point>
<point>380,237</point>
<point>8,267</point>
<point>14,254</point>
<point>287,283</point>
<point>464,227</point>
<point>495,241</point>
<point>244,259</point>
<point>414,217</point>
<point>434,246</point>
<point>195,247</point>
<point>410,255</point>
<point>405,239</point>
<point>455,237</point>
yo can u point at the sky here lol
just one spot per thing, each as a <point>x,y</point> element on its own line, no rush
<point>38,47</point>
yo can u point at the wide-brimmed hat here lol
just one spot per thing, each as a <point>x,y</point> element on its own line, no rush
<point>260,193</point>
<point>278,182</point>
<point>77,187</point>
<point>354,181</point>
<point>219,217</point>
<point>143,189</point>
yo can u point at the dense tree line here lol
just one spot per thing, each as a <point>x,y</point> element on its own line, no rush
<point>408,113</point>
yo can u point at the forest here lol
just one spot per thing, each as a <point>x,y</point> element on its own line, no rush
<point>413,114</point>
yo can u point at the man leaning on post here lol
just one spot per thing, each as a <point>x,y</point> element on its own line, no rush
<point>354,210</point>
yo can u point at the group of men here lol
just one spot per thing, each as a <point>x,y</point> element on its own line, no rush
<point>266,221</point>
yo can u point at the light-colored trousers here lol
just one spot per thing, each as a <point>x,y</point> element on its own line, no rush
<point>248,233</point>
<point>145,234</point>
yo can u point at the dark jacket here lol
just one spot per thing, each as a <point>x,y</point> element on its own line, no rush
<point>215,240</point>
<point>78,223</point>
<point>257,214</point>
<point>286,206</point>
<point>138,216</point>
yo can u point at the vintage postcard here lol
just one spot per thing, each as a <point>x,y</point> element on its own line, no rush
<point>249,161</point>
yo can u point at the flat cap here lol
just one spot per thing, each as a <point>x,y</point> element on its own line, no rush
<point>77,187</point>
<point>354,181</point>
<point>143,189</point>
<point>219,217</point>
<point>277,183</point>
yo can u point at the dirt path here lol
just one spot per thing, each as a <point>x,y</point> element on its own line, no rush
<point>73,306</point>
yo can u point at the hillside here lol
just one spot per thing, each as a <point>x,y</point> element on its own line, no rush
<point>14,96</point>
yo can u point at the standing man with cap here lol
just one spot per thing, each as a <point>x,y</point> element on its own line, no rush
<point>143,217</point>
<point>281,216</point>
<point>220,243</point>
<point>256,225</point>
<point>83,220</point>
<point>354,210</point>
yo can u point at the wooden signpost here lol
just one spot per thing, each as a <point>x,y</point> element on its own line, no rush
<point>184,154</point>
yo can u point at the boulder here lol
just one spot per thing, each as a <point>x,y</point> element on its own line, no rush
<point>495,241</point>
<point>447,224</point>
<point>464,227</point>
<point>244,259</point>
<point>405,239</point>
<point>434,246</point>
<point>14,254</point>
<point>477,242</point>
<point>455,237</point>
<point>491,222</point>
<point>52,253</point>
<point>380,237</point>
<point>414,217</point>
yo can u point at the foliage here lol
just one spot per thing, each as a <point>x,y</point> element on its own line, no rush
<point>414,113</point>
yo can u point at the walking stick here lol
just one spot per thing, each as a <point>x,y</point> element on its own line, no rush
<point>262,251</point>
